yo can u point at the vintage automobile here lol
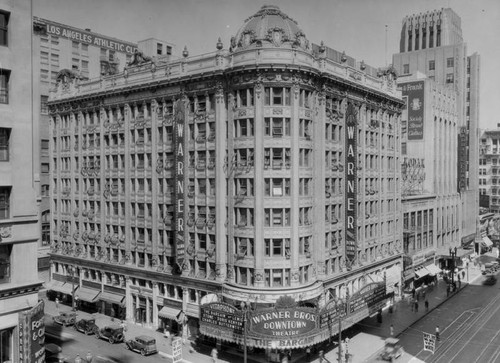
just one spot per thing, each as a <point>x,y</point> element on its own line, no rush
<point>86,326</point>
<point>65,318</point>
<point>392,350</point>
<point>143,344</point>
<point>113,334</point>
<point>490,280</point>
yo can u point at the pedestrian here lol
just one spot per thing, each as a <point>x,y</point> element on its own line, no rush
<point>308,354</point>
<point>416,306</point>
<point>89,357</point>
<point>392,330</point>
<point>78,359</point>
<point>413,293</point>
<point>57,303</point>
<point>214,355</point>
<point>459,282</point>
<point>123,325</point>
<point>426,305</point>
<point>447,290</point>
<point>412,305</point>
<point>424,294</point>
<point>438,338</point>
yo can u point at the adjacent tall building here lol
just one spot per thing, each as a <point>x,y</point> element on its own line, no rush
<point>59,50</point>
<point>264,175</point>
<point>440,140</point>
<point>432,43</point>
<point>489,170</point>
<point>21,315</point>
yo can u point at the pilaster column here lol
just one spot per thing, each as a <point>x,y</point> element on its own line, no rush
<point>128,301</point>
<point>258,182</point>
<point>155,305</point>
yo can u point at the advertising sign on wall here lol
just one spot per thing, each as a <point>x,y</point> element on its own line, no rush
<point>88,37</point>
<point>179,179</point>
<point>351,180</point>
<point>221,320</point>
<point>462,160</point>
<point>32,335</point>
<point>414,91</point>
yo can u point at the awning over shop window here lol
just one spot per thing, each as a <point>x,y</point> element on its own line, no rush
<point>65,288</point>
<point>169,313</point>
<point>86,294</point>
<point>487,242</point>
<point>433,269</point>
<point>421,272</point>
<point>111,298</point>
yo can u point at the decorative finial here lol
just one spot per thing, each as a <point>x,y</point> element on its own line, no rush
<point>185,52</point>
<point>362,66</point>
<point>322,48</point>
<point>219,44</point>
<point>343,58</point>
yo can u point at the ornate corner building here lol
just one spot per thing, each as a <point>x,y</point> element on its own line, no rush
<point>266,170</point>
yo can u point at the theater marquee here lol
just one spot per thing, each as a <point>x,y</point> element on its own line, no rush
<point>289,326</point>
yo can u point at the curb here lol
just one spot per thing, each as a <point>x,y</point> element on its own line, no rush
<point>436,306</point>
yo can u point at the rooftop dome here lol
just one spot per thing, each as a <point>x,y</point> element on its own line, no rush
<point>269,25</point>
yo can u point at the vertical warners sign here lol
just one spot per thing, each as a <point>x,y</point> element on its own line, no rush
<point>415,93</point>
<point>179,146</point>
<point>351,179</point>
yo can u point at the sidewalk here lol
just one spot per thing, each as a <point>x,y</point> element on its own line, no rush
<point>364,345</point>
<point>189,354</point>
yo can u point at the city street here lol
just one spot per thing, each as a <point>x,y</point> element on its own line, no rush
<point>74,342</point>
<point>470,331</point>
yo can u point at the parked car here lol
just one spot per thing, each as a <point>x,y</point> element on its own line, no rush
<point>143,344</point>
<point>86,326</point>
<point>113,334</point>
<point>65,318</point>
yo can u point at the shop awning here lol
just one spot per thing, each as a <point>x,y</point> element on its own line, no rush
<point>169,313</point>
<point>433,269</point>
<point>421,272</point>
<point>86,294</point>
<point>487,241</point>
<point>59,286</point>
<point>111,298</point>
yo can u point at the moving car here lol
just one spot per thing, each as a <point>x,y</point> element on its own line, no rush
<point>65,318</point>
<point>113,333</point>
<point>86,326</point>
<point>143,344</point>
<point>490,280</point>
<point>392,349</point>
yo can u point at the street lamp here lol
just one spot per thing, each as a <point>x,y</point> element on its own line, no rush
<point>72,269</point>
<point>244,307</point>
<point>453,254</point>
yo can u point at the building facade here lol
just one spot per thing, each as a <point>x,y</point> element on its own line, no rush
<point>267,170</point>
<point>431,201</point>
<point>59,47</point>
<point>432,43</point>
<point>489,170</point>
<point>19,179</point>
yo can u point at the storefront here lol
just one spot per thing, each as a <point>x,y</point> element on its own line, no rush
<point>112,304</point>
<point>63,291</point>
<point>86,299</point>
<point>171,318</point>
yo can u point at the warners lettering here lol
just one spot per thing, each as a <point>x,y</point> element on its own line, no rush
<point>350,184</point>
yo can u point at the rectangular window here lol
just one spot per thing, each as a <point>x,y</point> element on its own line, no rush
<point>159,48</point>
<point>4,85</point>
<point>4,28</point>
<point>4,202</point>
<point>449,62</point>
<point>43,104</point>
<point>432,65</point>
<point>406,68</point>
<point>4,144</point>
<point>45,168</point>
<point>449,78</point>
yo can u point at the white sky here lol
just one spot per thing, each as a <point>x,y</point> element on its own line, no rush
<point>356,26</point>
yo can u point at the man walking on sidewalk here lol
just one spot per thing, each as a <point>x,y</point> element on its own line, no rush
<point>426,305</point>
<point>438,338</point>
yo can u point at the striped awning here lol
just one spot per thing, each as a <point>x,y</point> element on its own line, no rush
<point>86,294</point>
<point>421,272</point>
<point>62,287</point>
<point>169,313</point>
<point>111,298</point>
<point>433,269</point>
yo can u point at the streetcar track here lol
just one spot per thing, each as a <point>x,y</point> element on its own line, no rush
<point>454,339</point>
<point>491,340</point>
